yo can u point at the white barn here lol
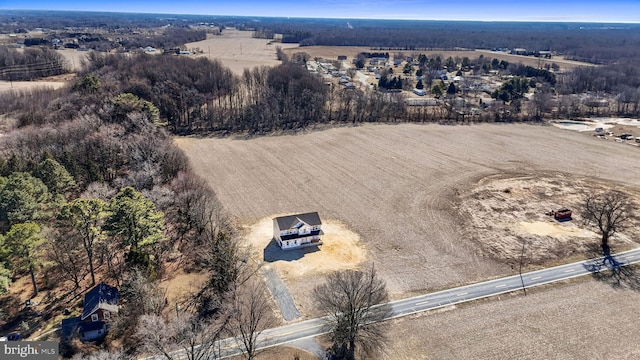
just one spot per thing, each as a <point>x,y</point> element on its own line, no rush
<point>298,231</point>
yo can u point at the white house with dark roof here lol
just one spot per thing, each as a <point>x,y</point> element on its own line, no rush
<point>298,231</point>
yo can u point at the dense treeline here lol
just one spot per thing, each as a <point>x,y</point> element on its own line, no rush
<point>199,95</point>
<point>595,43</point>
<point>194,95</point>
<point>92,189</point>
<point>30,64</point>
<point>603,79</point>
<point>169,38</point>
<point>172,37</point>
<point>22,20</point>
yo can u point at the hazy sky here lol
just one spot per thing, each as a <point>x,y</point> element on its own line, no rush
<point>500,10</point>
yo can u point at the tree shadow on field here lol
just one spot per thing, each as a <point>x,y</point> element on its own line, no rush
<point>611,270</point>
<point>273,252</point>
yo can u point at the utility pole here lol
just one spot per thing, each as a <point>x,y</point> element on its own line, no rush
<point>521,258</point>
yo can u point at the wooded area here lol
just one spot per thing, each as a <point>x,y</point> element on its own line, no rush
<point>202,96</point>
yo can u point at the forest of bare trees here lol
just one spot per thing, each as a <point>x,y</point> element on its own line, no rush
<point>33,63</point>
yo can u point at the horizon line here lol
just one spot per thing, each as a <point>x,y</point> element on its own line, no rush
<point>626,22</point>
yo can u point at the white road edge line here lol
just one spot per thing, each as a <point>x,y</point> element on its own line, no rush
<point>264,336</point>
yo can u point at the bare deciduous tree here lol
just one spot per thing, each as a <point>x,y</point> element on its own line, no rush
<point>356,301</point>
<point>182,335</point>
<point>199,214</point>
<point>65,252</point>
<point>139,296</point>
<point>608,212</point>
<point>251,314</point>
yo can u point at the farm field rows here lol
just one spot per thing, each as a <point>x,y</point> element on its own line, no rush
<point>399,187</point>
<point>583,319</point>
<point>238,50</point>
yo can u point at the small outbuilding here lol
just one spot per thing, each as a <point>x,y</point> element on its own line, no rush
<point>298,231</point>
<point>562,215</point>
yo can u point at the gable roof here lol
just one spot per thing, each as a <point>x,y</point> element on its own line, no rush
<point>102,296</point>
<point>288,222</point>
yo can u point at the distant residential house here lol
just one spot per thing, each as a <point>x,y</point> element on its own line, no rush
<point>298,231</point>
<point>420,92</point>
<point>100,304</point>
<point>519,51</point>
<point>595,101</point>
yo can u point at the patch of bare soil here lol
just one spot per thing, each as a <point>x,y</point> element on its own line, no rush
<point>583,319</point>
<point>74,58</point>
<point>504,211</point>
<point>53,82</point>
<point>179,285</point>
<point>302,269</point>
<point>341,249</point>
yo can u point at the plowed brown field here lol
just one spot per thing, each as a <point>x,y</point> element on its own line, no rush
<point>413,192</point>
<point>586,319</point>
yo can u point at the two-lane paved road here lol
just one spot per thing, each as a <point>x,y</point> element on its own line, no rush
<point>508,284</point>
<point>404,307</point>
